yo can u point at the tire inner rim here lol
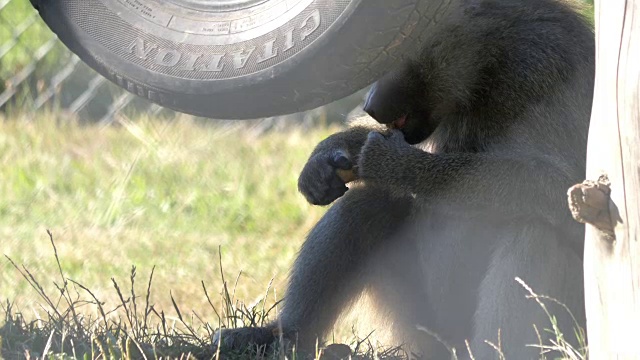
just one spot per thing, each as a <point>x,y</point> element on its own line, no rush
<point>217,5</point>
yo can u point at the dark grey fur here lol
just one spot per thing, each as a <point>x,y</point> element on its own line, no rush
<point>502,94</point>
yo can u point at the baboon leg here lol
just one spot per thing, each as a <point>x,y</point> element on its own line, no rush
<point>397,286</point>
<point>330,269</point>
<point>505,316</point>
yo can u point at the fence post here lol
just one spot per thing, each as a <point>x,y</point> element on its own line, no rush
<point>611,205</point>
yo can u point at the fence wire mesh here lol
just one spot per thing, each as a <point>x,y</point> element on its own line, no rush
<point>38,73</point>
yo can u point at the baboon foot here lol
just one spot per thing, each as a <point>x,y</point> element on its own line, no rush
<point>241,339</point>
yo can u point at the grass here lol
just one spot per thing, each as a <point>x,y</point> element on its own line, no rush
<point>167,193</point>
<point>137,329</point>
<point>174,198</point>
<point>144,215</point>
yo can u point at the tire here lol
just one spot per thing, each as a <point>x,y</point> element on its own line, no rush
<point>242,59</point>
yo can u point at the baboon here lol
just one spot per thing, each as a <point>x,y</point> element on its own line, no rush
<point>462,188</point>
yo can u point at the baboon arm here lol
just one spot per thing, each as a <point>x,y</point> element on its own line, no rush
<point>482,182</point>
<point>352,139</point>
<point>333,164</point>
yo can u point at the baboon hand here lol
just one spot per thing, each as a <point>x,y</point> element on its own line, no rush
<point>383,155</point>
<point>320,181</point>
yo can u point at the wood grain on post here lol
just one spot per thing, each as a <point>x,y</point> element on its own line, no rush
<point>612,261</point>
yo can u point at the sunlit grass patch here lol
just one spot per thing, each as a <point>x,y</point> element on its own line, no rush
<point>151,192</point>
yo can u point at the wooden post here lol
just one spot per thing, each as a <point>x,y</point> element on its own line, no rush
<point>612,247</point>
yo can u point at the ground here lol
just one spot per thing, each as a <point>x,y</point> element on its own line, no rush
<point>211,209</point>
<point>178,195</point>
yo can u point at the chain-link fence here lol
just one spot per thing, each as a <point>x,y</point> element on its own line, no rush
<point>37,72</point>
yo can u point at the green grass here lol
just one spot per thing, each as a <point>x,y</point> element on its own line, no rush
<point>137,329</point>
<point>164,193</point>
<point>177,199</point>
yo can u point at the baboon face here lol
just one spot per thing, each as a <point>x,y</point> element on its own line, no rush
<point>399,101</point>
